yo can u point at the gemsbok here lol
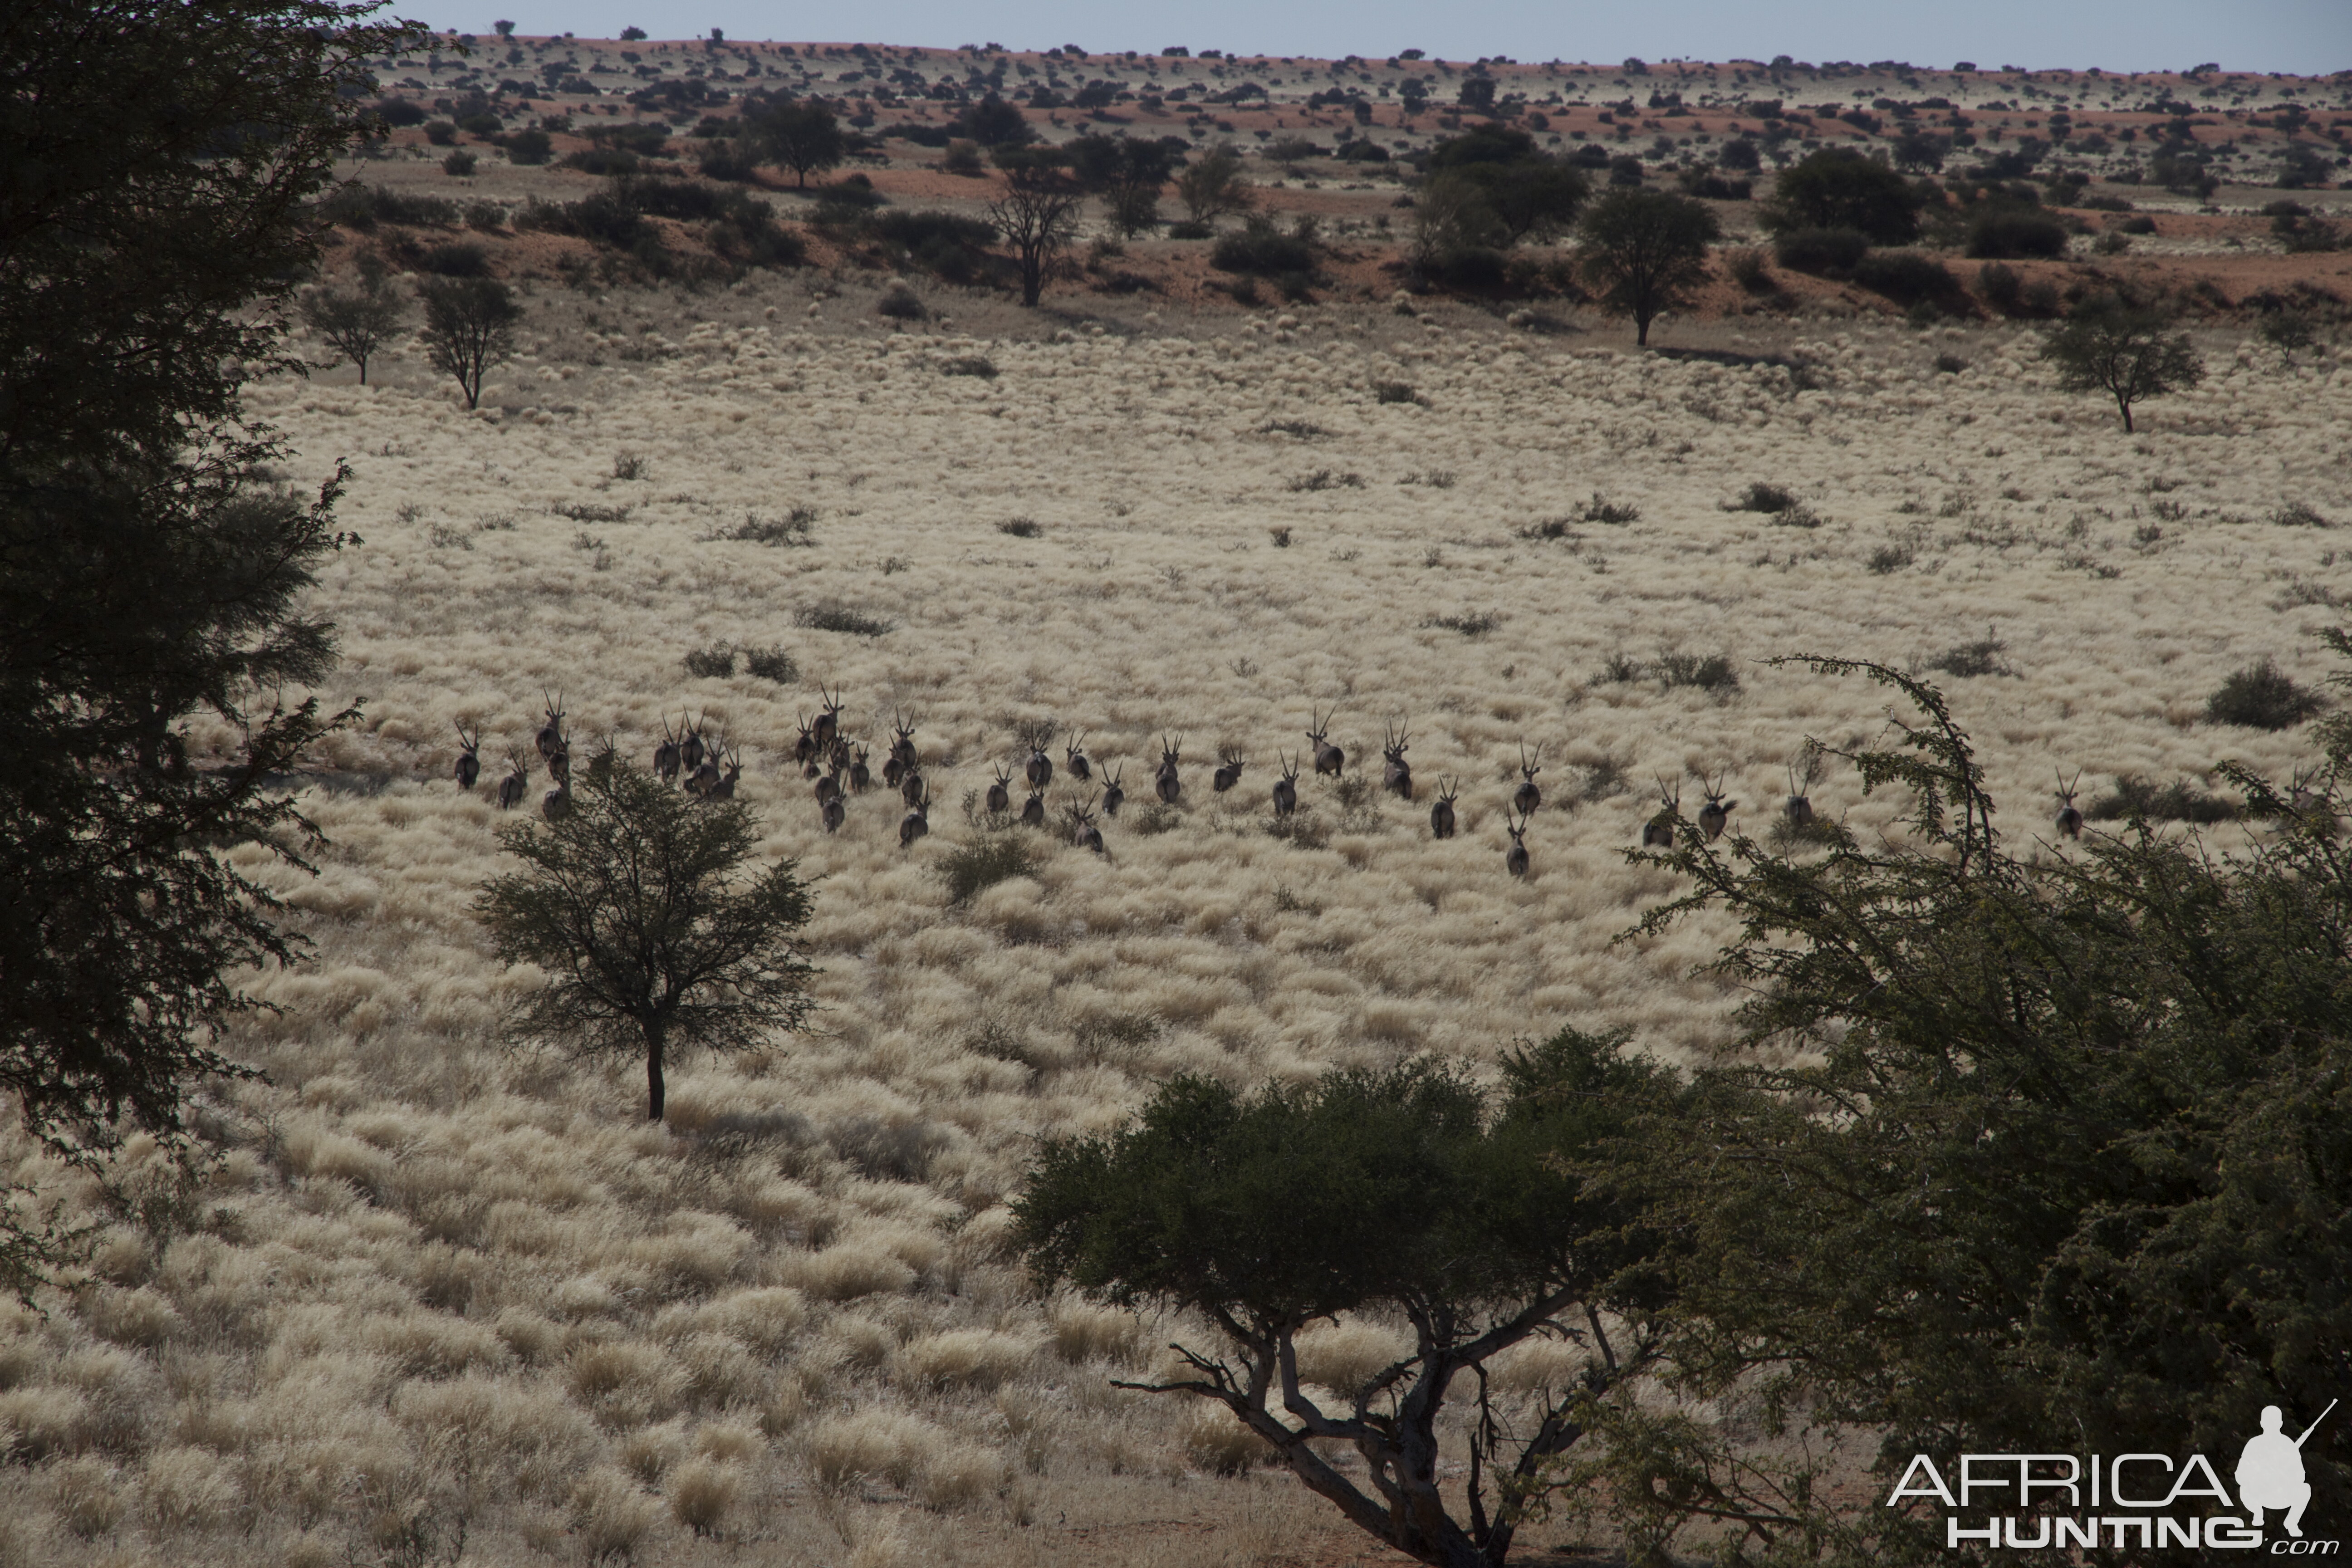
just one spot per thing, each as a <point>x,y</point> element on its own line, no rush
<point>1074,757</point>
<point>469,759</point>
<point>917,822</point>
<point>1000,794</point>
<point>1716,814</point>
<point>1514,858</point>
<point>550,734</point>
<point>1328,758</point>
<point>518,780</point>
<point>556,803</point>
<point>1527,796</point>
<point>1114,796</point>
<point>725,788</point>
<point>1039,769</point>
<point>828,720</point>
<point>1168,784</point>
<point>1285,788</point>
<point>2070,819</point>
<point>1083,834</point>
<point>1396,776</point>
<point>1658,833</point>
<point>1229,769</point>
<point>861,778</point>
<point>1441,815</point>
<point>666,756</point>
<point>1802,773</point>
<point>1032,810</point>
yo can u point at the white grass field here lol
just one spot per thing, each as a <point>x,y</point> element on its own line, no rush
<point>436,1285</point>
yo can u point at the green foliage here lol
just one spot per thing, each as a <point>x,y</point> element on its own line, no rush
<point>356,322</point>
<point>469,326</point>
<point>969,869</point>
<point>992,123</point>
<point>529,147</point>
<point>1823,251</point>
<point>1837,189</point>
<point>799,135</point>
<point>1263,251</point>
<point>831,615</point>
<point>1519,193</point>
<point>1906,276</point>
<point>1644,252</point>
<point>1709,672</point>
<point>2008,232</point>
<point>654,934</point>
<point>1214,186</point>
<point>150,570</point>
<point>2262,696</point>
<point>1128,172</point>
<point>2179,801</point>
<point>2061,1148</point>
<point>1398,1192</point>
<point>2124,350</point>
<point>714,661</point>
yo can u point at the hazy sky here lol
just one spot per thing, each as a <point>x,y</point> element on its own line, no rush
<point>2302,37</point>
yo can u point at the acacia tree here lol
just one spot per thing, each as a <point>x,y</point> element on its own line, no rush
<point>1128,172</point>
<point>161,159</point>
<point>1214,185</point>
<point>356,322</point>
<point>469,326</point>
<point>1038,214</point>
<point>2061,1145</point>
<point>1395,1193</point>
<point>637,905</point>
<point>2125,351</point>
<point>1839,188</point>
<point>799,135</point>
<point>1644,251</point>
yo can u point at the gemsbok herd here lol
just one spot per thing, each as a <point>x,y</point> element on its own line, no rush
<point>708,767</point>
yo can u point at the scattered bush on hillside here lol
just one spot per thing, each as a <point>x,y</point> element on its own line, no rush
<point>1820,251</point>
<point>2262,696</point>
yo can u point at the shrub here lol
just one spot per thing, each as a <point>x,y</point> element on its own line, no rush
<point>772,664</point>
<point>1905,276</point>
<point>1970,659</point>
<point>2012,233</point>
<point>457,261</point>
<point>900,304</point>
<point>1748,270</point>
<point>441,132</point>
<point>459,164</point>
<point>713,661</point>
<point>968,869</point>
<point>2262,696</point>
<point>1261,250</point>
<point>1707,672</point>
<point>1188,228</point>
<point>1951,365</point>
<point>831,615</point>
<point>1888,558</point>
<point>1468,624</point>
<point>1021,527</point>
<point>1616,513</point>
<point>2000,286</point>
<point>942,243</point>
<point>970,365</point>
<point>1392,391</point>
<point>2299,514</point>
<point>529,147</point>
<point>1821,250</point>
<point>2179,801</point>
<point>1764,498</point>
<point>2139,224</point>
<point>1837,188</point>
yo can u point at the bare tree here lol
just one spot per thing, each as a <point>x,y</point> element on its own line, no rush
<point>356,322</point>
<point>652,933</point>
<point>1037,215</point>
<point>469,326</point>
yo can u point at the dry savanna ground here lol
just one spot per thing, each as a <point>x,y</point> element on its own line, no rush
<point>433,1292</point>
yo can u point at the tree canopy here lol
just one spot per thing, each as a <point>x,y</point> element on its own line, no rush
<point>1839,188</point>
<point>1645,251</point>
<point>2060,1160</point>
<point>800,135</point>
<point>638,906</point>
<point>160,161</point>
<point>1400,1191</point>
<point>2126,352</point>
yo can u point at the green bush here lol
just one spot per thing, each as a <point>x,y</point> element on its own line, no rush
<point>1261,250</point>
<point>2001,286</point>
<point>831,615</point>
<point>1824,251</point>
<point>712,661</point>
<point>2179,801</point>
<point>969,869</point>
<point>457,261</point>
<point>459,164</point>
<point>1706,672</point>
<point>2262,696</point>
<point>529,147</point>
<point>1905,276</point>
<point>2011,233</point>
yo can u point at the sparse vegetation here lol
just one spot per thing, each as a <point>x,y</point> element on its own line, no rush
<point>2179,801</point>
<point>2124,350</point>
<point>1021,527</point>
<point>1713,672</point>
<point>969,869</point>
<point>1970,660</point>
<point>712,661</point>
<point>2262,696</point>
<point>1469,625</point>
<point>1393,392</point>
<point>469,327</point>
<point>831,615</point>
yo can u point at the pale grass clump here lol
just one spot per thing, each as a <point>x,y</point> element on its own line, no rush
<point>1215,1442</point>
<point>1085,1332</point>
<point>955,1475</point>
<point>871,1445</point>
<point>625,1382</point>
<point>982,1359</point>
<point>848,1271</point>
<point>88,1497</point>
<point>187,1489</point>
<point>703,1493</point>
<point>610,1516</point>
<point>1347,1355</point>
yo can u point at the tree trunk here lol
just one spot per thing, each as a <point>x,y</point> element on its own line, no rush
<point>1642,332</point>
<point>653,1088</point>
<point>2126,408</point>
<point>1033,278</point>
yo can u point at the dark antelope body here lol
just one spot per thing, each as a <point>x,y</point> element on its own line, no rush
<point>469,760</point>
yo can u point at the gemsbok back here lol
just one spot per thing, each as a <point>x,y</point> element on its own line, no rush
<point>1167,783</point>
<point>1328,758</point>
<point>1716,814</point>
<point>469,759</point>
<point>1441,815</point>
<point>1396,776</point>
<point>1514,858</point>
<point>1527,796</point>
<point>1285,788</point>
<point>1658,833</point>
<point>2070,819</point>
<point>917,822</point>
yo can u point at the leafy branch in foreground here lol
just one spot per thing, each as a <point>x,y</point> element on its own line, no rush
<point>2048,1153</point>
<point>1395,1195</point>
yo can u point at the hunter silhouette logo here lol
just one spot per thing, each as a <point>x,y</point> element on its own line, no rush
<point>2151,1501</point>
<point>2269,1471</point>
